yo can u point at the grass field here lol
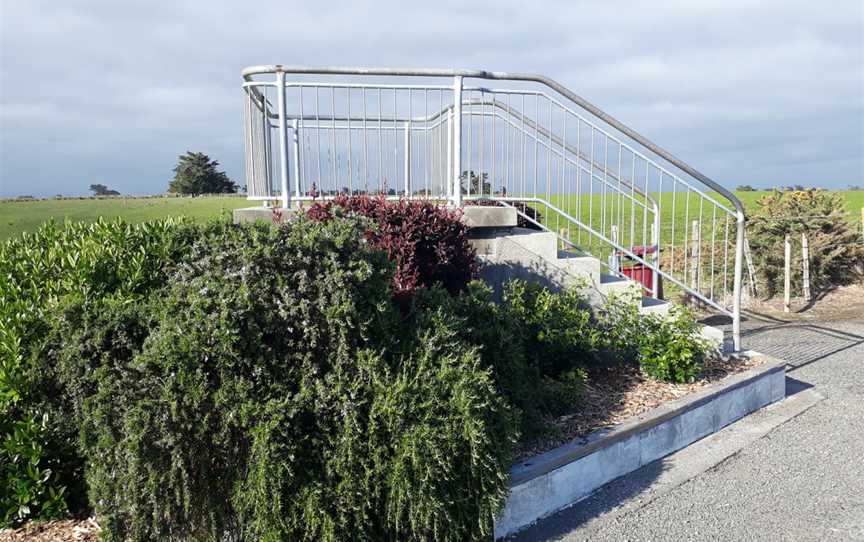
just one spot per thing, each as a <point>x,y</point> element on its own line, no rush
<point>17,217</point>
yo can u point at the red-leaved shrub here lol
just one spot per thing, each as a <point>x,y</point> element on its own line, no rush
<point>428,243</point>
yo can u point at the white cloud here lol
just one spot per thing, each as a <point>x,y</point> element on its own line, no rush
<point>749,91</point>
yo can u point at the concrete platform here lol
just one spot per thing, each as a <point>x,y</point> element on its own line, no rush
<point>476,216</point>
<point>558,478</point>
<point>253,214</point>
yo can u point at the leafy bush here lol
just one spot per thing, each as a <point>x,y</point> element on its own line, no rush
<point>536,343</point>
<point>263,393</point>
<point>671,348</point>
<point>40,470</point>
<point>259,383</point>
<point>835,246</point>
<point>427,243</point>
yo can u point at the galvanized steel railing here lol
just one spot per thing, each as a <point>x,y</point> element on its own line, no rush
<point>600,186</point>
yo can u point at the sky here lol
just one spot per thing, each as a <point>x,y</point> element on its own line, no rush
<point>111,91</point>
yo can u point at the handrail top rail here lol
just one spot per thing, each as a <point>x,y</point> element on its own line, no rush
<point>250,71</point>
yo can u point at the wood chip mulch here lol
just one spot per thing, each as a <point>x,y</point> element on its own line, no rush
<point>613,395</point>
<point>66,530</point>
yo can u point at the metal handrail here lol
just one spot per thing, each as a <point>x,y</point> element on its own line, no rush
<point>458,76</point>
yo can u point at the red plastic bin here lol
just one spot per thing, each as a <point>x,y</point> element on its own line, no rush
<point>638,271</point>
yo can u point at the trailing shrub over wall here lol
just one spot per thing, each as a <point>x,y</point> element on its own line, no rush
<point>260,383</point>
<point>428,243</point>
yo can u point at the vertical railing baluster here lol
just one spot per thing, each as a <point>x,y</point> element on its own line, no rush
<point>283,139</point>
<point>457,141</point>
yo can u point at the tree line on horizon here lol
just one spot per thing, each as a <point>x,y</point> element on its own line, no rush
<point>195,174</point>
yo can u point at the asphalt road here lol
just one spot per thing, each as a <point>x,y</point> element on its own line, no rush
<point>800,479</point>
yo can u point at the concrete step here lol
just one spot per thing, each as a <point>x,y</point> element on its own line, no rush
<point>656,307</point>
<point>613,284</point>
<point>543,244</point>
<point>580,263</point>
<point>716,337</point>
<point>476,216</point>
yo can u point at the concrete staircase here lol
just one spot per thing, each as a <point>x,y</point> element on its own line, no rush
<point>508,251</point>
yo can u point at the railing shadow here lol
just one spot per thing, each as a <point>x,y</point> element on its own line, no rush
<point>814,342</point>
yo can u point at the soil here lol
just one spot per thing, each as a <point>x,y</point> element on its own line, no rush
<point>616,394</point>
<point>839,303</point>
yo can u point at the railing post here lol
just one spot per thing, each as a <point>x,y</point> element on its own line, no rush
<point>283,138</point>
<point>736,288</point>
<point>408,159</point>
<point>655,240</point>
<point>457,140</point>
<point>295,125</point>
<point>448,184</point>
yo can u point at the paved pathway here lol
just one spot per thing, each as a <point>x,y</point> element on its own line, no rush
<point>799,478</point>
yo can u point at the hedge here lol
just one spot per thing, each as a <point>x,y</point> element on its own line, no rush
<point>255,382</point>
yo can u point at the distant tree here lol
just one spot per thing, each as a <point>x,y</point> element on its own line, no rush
<point>855,188</point>
<point>196,173</point>
<point>102,190</point>
<point>745,188</point>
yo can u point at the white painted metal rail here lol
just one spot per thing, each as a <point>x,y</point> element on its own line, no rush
<point>312,133</point>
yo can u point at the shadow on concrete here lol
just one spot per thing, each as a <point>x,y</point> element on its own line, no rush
<point>598,503</point>
<point>811,342</point>
<point>794,386</point>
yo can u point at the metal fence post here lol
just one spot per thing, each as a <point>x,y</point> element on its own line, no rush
<point>295,125</point>
<point>283,139</point>
<point>408,159</point>
<point>736,287</point>
<point>457,140</point>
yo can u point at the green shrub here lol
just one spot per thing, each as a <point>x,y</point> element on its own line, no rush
<point>263,394</point>
<point>671,348</point>
<point>261,383</point>
<point>620,327</point>
<point>834,244</point>
<point>536,343</point>
<point>38,274</point>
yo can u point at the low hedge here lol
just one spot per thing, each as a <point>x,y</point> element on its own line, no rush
<point>254,382</point>
<point>257,394</point>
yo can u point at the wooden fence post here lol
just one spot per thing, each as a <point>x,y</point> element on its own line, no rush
<point>787,268</point>
<point>805,265</point>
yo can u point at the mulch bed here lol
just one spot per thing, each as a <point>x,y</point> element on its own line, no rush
<point>612,396</point>
<point>66,530</point>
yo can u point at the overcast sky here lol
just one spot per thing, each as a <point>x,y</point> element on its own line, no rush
<point>111,91</point>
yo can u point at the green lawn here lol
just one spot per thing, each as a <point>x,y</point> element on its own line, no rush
<point>17,217</point>
<point>21,216</point>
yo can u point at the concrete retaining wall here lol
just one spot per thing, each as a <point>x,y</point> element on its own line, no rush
<point>558,478</point>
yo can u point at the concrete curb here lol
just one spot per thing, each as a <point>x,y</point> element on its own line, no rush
<point>558,478</point>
